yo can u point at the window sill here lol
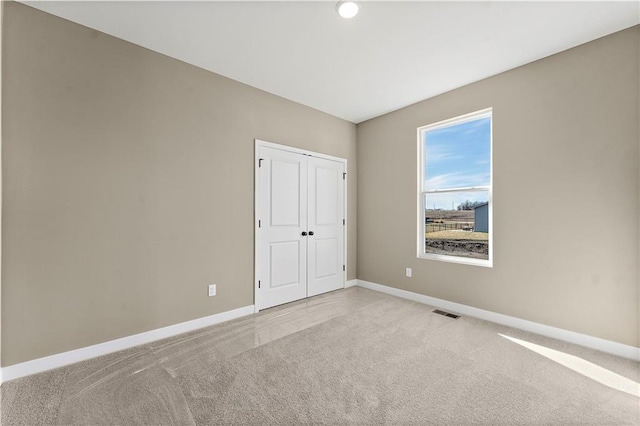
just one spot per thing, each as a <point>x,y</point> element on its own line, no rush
<point>456,259</point>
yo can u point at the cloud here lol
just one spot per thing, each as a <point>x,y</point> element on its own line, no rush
<point>436,153</point>
<point>457,180</point>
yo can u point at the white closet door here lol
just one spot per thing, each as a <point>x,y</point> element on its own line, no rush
<point>326,227</point>
<point>282,249</point>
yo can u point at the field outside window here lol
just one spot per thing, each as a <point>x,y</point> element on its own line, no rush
<point>455,208</point>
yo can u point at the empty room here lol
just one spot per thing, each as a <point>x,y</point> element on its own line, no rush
<point>320,212</point>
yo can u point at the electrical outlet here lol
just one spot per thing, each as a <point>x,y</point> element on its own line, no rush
<point>212,290</point>
<point>408,272</point>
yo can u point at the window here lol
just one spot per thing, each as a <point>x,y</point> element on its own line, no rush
<point>455,208</point>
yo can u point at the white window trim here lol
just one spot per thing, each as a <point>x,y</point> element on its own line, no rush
<point>421,254</point>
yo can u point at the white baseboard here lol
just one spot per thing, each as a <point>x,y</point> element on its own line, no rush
<point>66,358</point>
<point>71,357</point>
<point>615,348</point>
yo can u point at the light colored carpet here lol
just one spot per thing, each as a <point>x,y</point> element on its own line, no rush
<point>352,356</point>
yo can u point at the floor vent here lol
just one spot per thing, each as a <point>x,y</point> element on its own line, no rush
<point>446,314</point>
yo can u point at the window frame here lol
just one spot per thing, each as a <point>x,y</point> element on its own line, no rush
<point>422,192</point>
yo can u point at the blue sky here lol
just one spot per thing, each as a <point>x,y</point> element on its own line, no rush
<point>458,156</point>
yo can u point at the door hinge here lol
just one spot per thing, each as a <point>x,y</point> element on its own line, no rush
<point>344,176</point>
<point>343,222</point>
<point>259,223</point>
<point>258,283</point>
<point>260,162</point>
<point>344,268</point>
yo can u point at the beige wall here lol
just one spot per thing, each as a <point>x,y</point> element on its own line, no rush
<point>566,191</point>
<point>128,185</point>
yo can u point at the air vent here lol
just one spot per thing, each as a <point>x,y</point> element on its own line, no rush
<point>446,314</point>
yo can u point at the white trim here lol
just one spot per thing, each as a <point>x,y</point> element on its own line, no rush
<point>351,283</point>
<point>256,209</point>
<point>421,252</point>
<point>608,346</point>
<point>71,357</point>
<point>1,186</point>
<point>345,234</point>
<point>468,189</point>
<point>471,116</point>
<point>457,259</point>
<point>258,143</point>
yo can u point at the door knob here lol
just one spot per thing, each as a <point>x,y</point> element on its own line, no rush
<point>304,234</point>
<point>310,232</point>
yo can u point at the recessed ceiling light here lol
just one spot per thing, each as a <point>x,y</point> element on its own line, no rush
<point>347,9</point>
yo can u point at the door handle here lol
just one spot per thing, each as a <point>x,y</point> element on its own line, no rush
<point>310,232</point>
<point>304,234</point>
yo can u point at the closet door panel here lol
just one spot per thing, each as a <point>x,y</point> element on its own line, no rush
<point>282,209</point>
<point>325,223</point>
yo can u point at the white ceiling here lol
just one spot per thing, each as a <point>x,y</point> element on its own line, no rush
<point>391,55</point>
